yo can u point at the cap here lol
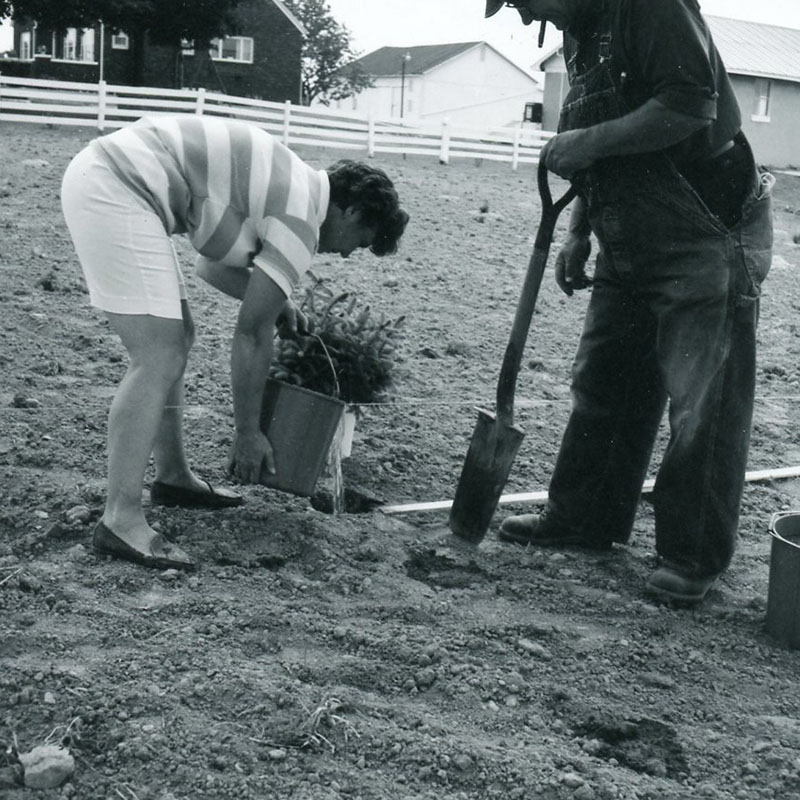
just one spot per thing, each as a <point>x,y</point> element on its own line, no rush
<point>492,7</point>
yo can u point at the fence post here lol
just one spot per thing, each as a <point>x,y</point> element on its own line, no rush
<point>287,115</point>
<point>201,101</point>
<point>370,135</point>
<point>444,151</point>
<point>515,148</point>
<point>101,106</point>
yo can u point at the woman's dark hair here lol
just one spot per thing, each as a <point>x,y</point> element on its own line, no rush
<point>369,190</point>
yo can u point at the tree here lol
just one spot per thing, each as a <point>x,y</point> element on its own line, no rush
<point>54,14</point>
<point>327,72</point>
<point>166,22</point>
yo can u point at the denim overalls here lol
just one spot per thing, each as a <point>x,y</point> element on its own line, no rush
<point>672,318</point>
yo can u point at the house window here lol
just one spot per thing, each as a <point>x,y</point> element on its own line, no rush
<point>25,46</point>
<point>761,88</point>
<point>77,44</point>
<point>120,41</point>
<point>532,113</point>
<point>87,45</point>
<point>69,45</point>
<point>232,48</point>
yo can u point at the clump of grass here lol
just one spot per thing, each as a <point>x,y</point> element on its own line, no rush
<point>324,724</point>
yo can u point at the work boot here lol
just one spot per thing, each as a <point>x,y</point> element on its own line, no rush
<point>540,531</point>
<point>671,583</point>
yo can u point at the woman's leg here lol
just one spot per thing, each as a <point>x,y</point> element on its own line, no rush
<point>172,466</point>
<point>169,455</point>
<point>157,350</point>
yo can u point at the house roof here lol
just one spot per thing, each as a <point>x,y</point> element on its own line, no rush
<point>747,48</point>
<point>752,48</point>
<point>386,61</point>
<point>291,17</point>
<point>423,58</point>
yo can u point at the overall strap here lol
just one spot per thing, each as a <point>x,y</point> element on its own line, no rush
<point>587,54</point>
<point>604,30</point>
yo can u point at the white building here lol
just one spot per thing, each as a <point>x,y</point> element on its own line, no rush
<point>469,84</point>
<point>763,62</point>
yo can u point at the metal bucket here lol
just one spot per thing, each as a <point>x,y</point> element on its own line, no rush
<point>783,600</point>
<point>300,425</point>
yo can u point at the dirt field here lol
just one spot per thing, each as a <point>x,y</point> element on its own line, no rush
<point>364,655</point>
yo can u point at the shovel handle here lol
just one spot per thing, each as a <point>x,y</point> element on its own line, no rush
<point>512,358</point>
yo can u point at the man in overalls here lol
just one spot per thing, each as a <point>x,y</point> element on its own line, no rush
<point>650,135</point>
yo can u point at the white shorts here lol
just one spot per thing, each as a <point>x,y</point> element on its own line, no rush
<point>126,255</point>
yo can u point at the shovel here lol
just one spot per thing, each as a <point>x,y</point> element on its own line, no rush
<point>496,440</point>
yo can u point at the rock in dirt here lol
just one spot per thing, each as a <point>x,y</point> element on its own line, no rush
<point>534,649</point>
<point>572,780</point>
<point>78,515</point>
<point>425,678</point>
<point>23,401</point>
<point>29,583</point>
<point>47,766</point>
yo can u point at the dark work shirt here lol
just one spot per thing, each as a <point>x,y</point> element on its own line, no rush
<point>663,49</point>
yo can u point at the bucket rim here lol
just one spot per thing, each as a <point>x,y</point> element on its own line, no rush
<point>293,387</point>
<point>777,517</point>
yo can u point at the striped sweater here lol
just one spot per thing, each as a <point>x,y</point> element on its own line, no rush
<point>238,194</point>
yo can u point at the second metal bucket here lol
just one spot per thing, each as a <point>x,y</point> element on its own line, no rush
<point>783,600</point>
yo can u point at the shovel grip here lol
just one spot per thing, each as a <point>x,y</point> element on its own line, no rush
<point>512,359</point>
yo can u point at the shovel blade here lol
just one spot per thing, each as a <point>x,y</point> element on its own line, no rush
<point>491,453</point>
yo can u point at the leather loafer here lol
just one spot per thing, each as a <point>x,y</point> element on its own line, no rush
<point>162,494</point>
<point>162,553</point>
<point>673,584</point>
<point>537,530</point>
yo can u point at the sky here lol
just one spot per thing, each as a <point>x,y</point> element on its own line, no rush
<point>401,23</point>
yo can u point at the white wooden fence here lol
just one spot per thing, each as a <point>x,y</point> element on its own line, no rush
<point>103,106</point>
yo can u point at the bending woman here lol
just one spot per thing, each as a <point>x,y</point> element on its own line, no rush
<point>256,214</point>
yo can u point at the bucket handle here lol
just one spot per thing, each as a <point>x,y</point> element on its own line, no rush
<point>330,362</point>
<point>776,517</point>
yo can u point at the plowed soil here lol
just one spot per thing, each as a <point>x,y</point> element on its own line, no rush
<point>366,655</point>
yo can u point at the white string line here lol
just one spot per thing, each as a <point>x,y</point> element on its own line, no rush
<point>399,403</point>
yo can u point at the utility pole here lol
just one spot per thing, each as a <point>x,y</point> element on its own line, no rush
<point>404,60</point>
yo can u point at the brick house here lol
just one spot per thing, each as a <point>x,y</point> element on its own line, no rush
<point>262,59</point>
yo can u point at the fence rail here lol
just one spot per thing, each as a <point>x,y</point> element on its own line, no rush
<point>104,106</point>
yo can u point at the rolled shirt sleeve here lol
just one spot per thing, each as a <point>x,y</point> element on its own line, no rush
<point>674,53</point>
<point>288,245</point>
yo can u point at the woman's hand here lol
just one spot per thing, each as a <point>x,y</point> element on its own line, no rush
<point>291,321</point>
<point>250,453</point>
<point>251,356</point>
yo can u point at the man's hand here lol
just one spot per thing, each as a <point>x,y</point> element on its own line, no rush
<point>249,453</point>
<point>571,264</point>
<point>649,128</point>
<point>291,321</point>
<point>567,153</point>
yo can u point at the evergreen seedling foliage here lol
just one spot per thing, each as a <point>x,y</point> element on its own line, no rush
<point>346,338</point>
